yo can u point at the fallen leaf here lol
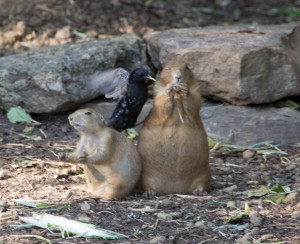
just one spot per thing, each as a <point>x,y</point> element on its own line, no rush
<point>18,114</point>
<point>261,191</point>
<point>66,226</point>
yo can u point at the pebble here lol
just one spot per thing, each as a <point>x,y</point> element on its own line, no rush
<point>164,216</point>
<point>64,33</point>
<point>68,194</point>
<point>200,224</point>
<point>296,214</point>
<point>248,154</point>
<point>255,231</point>
<point>158,239</point>
<point>230,188</point>
<point>176,215</point>
<point>245,238</point>
<point>231,204</point>
<point>165,203</point>
<point>255,218</point>
<point>169,216</point>
<point>292,197</point>
<point>264,238</point>
<point>85,206</point>
<point>84,219</point>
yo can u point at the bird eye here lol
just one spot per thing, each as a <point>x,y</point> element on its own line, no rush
<point>87,113</point>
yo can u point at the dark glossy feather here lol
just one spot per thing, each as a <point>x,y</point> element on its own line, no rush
<point>129,107</point>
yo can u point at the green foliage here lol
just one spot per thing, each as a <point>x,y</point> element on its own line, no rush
<point>261,191</point>
<point>289,12</point>
<point>18,114</point>
<point>276,194</point>
<point>239,217</point>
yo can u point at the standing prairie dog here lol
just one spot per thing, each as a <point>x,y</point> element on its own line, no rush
<point>110,160</point>
<point>173,143</point>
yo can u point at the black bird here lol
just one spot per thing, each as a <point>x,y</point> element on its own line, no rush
<point>129,107</point>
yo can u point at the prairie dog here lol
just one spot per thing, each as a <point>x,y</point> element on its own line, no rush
<point>173,143</point>
<point>110,160</point>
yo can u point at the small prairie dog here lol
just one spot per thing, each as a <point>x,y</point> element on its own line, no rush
<point>173,143</point>
<point>110,160</point>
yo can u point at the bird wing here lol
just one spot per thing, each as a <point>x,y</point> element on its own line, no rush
<point>111,83</point>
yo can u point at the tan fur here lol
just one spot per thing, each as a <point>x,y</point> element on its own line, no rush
<point>110,160</point>
<point>173,143</point>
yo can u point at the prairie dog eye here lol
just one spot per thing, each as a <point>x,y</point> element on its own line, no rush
<point>87,113</point>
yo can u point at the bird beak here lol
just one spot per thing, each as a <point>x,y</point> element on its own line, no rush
<point>149,80</point>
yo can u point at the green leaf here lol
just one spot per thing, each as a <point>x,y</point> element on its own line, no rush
<point>261,191</point>
<point>247,209</point>
<point>278,198</point>
<point>236,218</point>
<point>239,216</point>
<point>33,205</point>
<point>43,205</point>
<point>211,142</point>
<point>18,114</point>
<point>277,188</point>
<point>287,12</point>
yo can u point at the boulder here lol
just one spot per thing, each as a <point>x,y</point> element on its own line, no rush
<point>248,125</point>
<point>54,79</point>
<point>237,64</point>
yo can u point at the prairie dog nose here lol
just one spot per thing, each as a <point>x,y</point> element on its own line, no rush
<point>177,77</point>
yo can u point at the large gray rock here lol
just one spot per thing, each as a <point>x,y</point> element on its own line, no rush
<point>54,79</point>
<point>236,64</point>
<point>248,125</point>
<point>236,125</point>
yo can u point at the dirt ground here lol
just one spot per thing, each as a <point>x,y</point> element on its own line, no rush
<point>29,166</point>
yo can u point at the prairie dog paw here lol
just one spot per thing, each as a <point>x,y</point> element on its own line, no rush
<point>150,193</point>
<point>199,192</point>
<point>177,90</point>
<point>77,158</point>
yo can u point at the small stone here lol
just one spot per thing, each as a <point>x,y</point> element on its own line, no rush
<point>248,154</point>
<point>296,214</point>
<point>68,194</point>
<point>85,206</point>
<point>64,33</point>
<point>66,171</point>
<point>255,231</point>
<point>230,188</point>
<point>164,216</point>
<point>3,203</point>
<point>210,225</point>
<point>245,238</point>
<point>92,33</point>
<point>292,197</point>
<point>165,203</point>
<point>220,213</point>
<point>200,224</point>
<point>264,238</point>
<point>169,216</point>
<point>188,224</point>
<point>84,219</point>
<point>255,218</point>
<point>176,215</point>
<point>231,204</point>
<point>158,239</point>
